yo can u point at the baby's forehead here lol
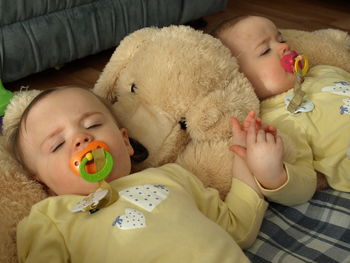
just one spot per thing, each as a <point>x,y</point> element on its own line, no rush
<point>68,97</point>
<point>64,101</point>
<point>67,92</point>
<point>251,29</point>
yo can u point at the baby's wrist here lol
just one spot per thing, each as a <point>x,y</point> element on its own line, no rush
<point>273,182</point>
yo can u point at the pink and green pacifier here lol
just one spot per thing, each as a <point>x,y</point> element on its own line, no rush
<point>94,163</point>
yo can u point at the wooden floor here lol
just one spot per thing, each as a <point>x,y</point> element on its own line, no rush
<point>296,14</point>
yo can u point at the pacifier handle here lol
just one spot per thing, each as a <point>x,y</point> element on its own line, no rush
<point>304,62</point>
<point>301,66</point>
<point>99,175</point>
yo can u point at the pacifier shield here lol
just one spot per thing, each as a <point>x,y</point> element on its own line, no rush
<point>90,202</point>
<point>287,61</point>
<point>94,163</point>
<point>305,106</point>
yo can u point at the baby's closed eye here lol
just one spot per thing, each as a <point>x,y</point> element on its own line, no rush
<point>57,146</point>
<point>94,125</point>
<point>266,51</point>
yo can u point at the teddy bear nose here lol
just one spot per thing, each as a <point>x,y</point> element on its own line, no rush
<point>183,123</point>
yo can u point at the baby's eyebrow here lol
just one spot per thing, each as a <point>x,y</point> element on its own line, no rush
<point>88,114</point>
<point>279,34</point>
<point>261,43</point>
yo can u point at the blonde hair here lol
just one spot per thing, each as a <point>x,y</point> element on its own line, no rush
<point>227,24</point>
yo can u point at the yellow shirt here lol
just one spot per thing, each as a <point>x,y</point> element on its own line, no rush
<point>321,135</point>
<point>181,221</point>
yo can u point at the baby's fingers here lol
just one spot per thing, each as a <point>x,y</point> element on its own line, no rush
<point>270,129</point>
<point>236,126</point>
<point>270,138</point>
<point>251,135</point>
<point>238,135</point>
<point>261,136</point>
<point>248,120</point>
<point>239,150</point>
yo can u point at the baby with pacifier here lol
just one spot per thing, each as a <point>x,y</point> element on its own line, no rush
<point>69,140</point>
<point>311,106</point>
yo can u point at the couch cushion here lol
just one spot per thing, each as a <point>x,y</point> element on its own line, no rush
<point>54,38</point>
<point>18,10</point>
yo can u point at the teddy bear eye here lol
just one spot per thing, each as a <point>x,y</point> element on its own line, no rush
<point>183,123</point>
<point>133,88</point>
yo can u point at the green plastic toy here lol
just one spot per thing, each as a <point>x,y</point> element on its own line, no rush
<point>5,97</point>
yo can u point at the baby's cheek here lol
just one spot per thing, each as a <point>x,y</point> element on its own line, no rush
<point>287,81</point>
<point>279,78</point>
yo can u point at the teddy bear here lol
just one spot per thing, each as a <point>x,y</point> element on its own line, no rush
<point>175,89</point>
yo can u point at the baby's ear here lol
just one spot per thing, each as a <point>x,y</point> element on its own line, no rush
<point>127,142</point>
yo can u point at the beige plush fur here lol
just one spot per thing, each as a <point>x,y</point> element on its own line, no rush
<point>17,195</point>
<point>178,74</point>
<point>183,74</point>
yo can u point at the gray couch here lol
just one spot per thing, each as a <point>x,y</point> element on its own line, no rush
<point>37,35</point>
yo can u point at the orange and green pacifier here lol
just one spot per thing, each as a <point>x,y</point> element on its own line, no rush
<point>94,163</point>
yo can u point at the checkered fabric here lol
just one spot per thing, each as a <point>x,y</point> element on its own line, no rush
<point>317,231</point>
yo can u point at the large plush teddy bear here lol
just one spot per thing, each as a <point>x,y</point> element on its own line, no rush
<point>174,89</point>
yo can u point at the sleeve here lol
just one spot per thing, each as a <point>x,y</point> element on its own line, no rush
<point>241,213</point>
<point>302,178</point>
<point>299,188</point>
<point>39,240</point>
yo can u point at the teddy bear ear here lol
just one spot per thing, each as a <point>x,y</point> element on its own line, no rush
<point>104,86</point>
<point>312,44</point>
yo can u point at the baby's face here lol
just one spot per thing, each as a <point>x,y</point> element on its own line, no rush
<point>65,122</point>
<point>258,46</point>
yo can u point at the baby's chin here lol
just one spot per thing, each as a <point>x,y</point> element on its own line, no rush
<point>85,188</point>
<point>285,84</point>
<point>112,177</point>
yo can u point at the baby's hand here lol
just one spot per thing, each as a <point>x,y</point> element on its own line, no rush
<point>252,119</point>
<point>264,156</point>
<point>240,132</point>
<point>239,136</point>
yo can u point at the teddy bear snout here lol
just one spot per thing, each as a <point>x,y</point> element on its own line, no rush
<point>183,123</point>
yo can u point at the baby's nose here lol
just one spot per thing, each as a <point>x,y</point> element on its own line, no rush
<point>284,47</point>
<point>81,140</point>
